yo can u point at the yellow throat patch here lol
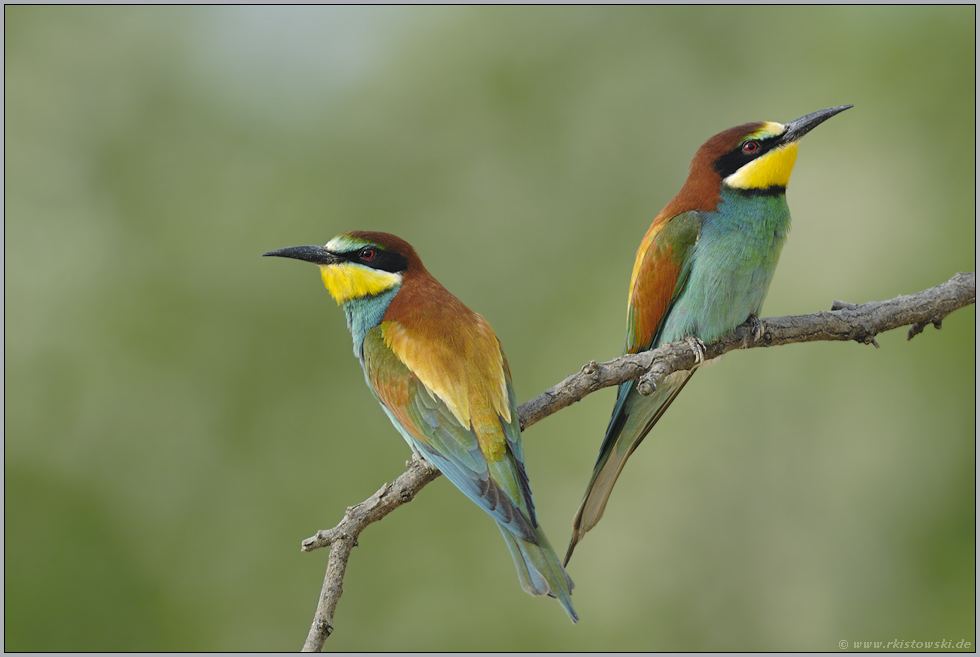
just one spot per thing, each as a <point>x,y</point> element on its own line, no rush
<point>348,281</point>
<point>772,169</point>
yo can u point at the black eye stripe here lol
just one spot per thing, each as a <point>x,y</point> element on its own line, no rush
<point>377,258</point>
<point>735,159</point>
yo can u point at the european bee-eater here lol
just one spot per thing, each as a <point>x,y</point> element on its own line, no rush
<point>702,269</point>
<point>441,376</point>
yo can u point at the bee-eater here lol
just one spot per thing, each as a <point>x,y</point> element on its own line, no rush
<point>702,269</point>
<point>441,376</point>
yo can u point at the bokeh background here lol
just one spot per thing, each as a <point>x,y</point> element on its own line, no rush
<point>180,413</point>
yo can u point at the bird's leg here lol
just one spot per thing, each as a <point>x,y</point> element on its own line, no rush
<point>698,347</point>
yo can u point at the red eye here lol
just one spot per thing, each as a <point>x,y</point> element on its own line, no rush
<point>368,254</point>
<point>750,147</point>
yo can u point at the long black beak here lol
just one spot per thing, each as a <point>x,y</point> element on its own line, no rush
<point>796,129</point>
<point>318,255</point>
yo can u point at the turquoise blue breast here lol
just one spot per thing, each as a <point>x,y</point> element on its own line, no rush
<point>730,267</point>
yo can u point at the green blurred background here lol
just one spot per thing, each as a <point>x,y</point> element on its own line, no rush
<point>180,413</point>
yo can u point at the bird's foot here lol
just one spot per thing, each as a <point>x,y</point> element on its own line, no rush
<point>758,328</point>
<point>698,347</point>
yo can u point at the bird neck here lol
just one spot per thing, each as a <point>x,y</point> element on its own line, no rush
<point>364,313</point>
<point>753,213</point>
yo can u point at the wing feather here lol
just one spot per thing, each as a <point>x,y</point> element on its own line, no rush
<point>497,483</point>
<point>660,272</point>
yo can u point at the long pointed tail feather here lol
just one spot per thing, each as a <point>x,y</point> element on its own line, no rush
<point>633,417</point>
<point>539,569</point>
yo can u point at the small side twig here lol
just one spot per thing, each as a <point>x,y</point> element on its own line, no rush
<point>342,539</point>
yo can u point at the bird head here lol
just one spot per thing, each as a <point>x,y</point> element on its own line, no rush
<point>358,264</point>
<point>752,158</point>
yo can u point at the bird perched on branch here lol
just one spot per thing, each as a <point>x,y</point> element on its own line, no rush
<point>702,269</point>
<point>441,376</point>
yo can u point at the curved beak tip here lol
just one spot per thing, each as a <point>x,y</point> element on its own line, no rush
<point>799,127</point>
<point>318,255</point>
<point>290,252</point>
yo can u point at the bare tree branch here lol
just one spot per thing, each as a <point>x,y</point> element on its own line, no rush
<point>843,322</point>
<point>343,538</point>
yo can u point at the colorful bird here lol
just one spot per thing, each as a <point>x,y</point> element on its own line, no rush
<point>702,269</point>
<point>441,376</point>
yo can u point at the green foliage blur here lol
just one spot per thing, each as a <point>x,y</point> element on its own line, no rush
<point>180,413</point>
